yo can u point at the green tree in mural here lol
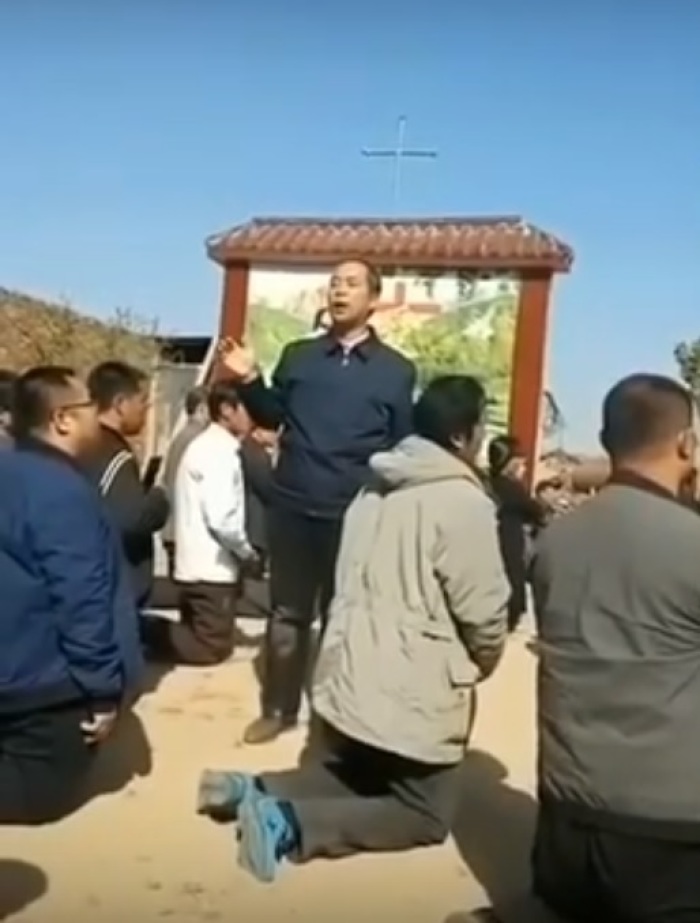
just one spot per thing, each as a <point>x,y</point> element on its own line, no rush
<point>472,339</point>
<point>478,340</point>
<point>269,330</point>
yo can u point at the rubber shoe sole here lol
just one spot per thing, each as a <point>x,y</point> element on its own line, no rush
<point>257,851</point>
<point>220,794</point>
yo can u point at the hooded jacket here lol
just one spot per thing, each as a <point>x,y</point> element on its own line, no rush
<point>420,593</point>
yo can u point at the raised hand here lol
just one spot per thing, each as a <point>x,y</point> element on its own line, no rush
<point>239,360</point>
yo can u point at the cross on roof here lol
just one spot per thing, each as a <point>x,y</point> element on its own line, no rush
<point>398,154</point>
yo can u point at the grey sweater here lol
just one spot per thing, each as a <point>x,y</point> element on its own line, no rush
<point>617,596</point>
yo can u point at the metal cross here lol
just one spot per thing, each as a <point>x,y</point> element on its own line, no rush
<point>398,154</point>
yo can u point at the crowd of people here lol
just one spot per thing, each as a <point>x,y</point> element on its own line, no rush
<point>365,506</point>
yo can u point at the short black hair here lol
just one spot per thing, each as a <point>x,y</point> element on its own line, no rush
<point>110,380</point>
<point>643,411</point>
<point>194,399</point>
<point>502,449</point>
<point>7,390</point>
<point>451,406</point>
<point>222,392</point>
<point>36,394</point>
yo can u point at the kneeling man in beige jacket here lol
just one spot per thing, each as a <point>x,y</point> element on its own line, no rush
<point>418,619</point>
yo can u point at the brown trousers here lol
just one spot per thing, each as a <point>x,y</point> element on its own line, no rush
<point>206,632</point>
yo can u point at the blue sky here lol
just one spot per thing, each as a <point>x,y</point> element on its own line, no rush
<point>132,129</point>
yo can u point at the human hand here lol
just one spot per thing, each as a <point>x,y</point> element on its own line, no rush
<point>253,568</point>
<point>239,360</point>
<point>266,438</point>
<point>99,726</point>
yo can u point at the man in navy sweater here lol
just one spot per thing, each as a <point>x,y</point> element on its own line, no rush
<point>69,648</point>
<point>338,398</point>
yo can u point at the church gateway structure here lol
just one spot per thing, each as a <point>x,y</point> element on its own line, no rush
<point>468,294</point>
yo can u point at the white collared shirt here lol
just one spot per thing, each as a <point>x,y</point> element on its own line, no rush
<point>210,536</point>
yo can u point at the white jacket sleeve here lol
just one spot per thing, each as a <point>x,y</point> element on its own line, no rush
<point>223,503</point>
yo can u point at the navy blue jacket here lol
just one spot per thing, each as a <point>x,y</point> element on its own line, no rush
<point>68,623</point>
<point>336,408</point>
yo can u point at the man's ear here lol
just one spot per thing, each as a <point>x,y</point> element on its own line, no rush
<point>687,445</point>
<point>118,404</point>
<point>61,423</point>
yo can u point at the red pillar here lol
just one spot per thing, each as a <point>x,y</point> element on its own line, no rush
<point>234,302</point>
<point>234,305</point>
<point>529,356</point>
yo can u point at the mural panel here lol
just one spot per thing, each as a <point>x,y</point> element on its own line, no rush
<point>446,322</point>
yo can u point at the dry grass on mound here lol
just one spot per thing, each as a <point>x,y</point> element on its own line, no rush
<point>34,332</point>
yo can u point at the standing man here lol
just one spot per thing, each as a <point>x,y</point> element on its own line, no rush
<point>69,648</point>
<point>212,548</point>
<point>519,515</point>
<point>617,600</point>
<point>120,393</point>
<point>339,398</point>
<point>197,419</point>
<point>7,384</point>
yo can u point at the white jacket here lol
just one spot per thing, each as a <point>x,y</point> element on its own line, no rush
<point>210,537</point>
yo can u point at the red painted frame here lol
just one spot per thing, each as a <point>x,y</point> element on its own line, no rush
<point>529,350</point>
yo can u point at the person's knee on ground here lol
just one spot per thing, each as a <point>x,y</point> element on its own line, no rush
<point>177,642</point>
<point>52,798</point>
<point>203,653</point>
<point>43,812</point>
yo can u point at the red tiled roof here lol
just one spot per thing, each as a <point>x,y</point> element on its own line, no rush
<point>501,242</point>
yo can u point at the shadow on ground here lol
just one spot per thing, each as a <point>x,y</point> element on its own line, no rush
<point>154,675</point>
<point>125,756</point>
<point>494,827</point>
<point>493,832</point>
<point>20,885</point>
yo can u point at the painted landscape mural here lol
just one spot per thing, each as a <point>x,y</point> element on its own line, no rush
<point>446,322</point>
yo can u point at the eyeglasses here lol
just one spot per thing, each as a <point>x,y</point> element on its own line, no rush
<point>74,405</point>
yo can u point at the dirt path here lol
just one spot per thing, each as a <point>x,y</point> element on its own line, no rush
<point>141,853</point>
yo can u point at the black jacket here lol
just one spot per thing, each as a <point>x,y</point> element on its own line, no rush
<point>517,512</point>
<point>136,512</point>
<point>259,490</point>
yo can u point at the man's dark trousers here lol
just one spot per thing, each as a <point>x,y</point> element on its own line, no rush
<point>303,551</point>
<point>350,798</point>
<point>44,764</point>
<point>587,874</point>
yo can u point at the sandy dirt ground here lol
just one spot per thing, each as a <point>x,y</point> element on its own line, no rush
<point>138,851</point>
